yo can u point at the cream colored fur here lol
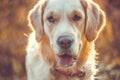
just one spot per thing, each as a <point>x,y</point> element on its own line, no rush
<point>42,48</point>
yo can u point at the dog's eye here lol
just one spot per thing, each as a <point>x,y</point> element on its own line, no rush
<point>76,17</point>
<point>51,19</point>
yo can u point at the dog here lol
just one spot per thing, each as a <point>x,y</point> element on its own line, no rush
<point>61,44</point>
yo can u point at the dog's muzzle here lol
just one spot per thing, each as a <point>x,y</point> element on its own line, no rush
<point>65,42</point>
<point>65,57</point>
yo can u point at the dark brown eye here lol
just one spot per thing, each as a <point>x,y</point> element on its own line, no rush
<point>76,18</point>
<point>51,19</point>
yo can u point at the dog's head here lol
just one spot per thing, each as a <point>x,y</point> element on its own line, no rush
<point>68,25</point>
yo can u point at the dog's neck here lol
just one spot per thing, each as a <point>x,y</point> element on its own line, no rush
<point>68,73</point>
<point>77,73</point>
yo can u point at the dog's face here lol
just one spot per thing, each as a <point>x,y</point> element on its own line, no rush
<point>64,25</point>
<point>68,25</point>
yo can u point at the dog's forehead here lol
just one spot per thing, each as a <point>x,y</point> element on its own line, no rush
<point>63,5</point>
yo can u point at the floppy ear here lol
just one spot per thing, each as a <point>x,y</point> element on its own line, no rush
<point>35,19</point>
<point>95,19</point>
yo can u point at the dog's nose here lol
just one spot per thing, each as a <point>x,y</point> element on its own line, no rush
<point>65,41</point>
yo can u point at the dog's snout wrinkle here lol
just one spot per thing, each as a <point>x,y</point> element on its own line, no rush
<point>65,41</point>
<point>63,52</point>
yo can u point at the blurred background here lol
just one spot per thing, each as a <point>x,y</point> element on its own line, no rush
<point>13,41</point>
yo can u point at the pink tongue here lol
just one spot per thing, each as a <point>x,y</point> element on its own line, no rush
<point>65,60</point>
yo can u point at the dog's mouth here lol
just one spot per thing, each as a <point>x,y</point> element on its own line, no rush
<point>65,66</point>
<point>65,60</point>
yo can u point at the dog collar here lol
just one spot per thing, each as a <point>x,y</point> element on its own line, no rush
<point>78,73</point>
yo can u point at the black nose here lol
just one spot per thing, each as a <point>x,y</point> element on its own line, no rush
<point>65,41</point>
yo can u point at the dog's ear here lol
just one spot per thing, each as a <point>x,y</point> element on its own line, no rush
<point>35,19</point>
<point>94,21</point>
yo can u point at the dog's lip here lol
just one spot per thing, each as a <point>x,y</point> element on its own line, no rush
<point>65,60</point>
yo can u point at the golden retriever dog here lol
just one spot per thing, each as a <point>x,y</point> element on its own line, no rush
<point>61,45</point>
